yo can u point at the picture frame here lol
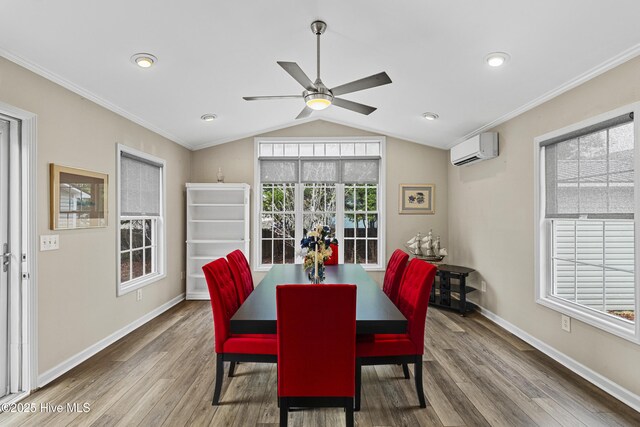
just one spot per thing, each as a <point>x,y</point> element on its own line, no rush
<point>417,199</point>
<point>77,198</point>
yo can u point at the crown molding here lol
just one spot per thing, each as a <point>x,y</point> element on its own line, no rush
<point>89,95</point>
<point>605,66</point>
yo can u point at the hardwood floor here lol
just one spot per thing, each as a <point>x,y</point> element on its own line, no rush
<point>476,374</point>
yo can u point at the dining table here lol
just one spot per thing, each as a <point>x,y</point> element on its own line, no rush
<point>375,312</point>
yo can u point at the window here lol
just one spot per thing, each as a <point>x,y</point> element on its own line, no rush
<point>334,182</point>
<point>361,223</point>
<point>278,224</point>
<point>141,197</point>
<point>587,234</point>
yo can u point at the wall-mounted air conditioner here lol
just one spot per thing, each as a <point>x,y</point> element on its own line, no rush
<point>481,147</point>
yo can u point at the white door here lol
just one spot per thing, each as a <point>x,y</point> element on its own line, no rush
<point>4,258</point>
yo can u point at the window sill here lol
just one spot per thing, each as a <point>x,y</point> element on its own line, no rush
<point>134,285</point>
<point>605,322</point>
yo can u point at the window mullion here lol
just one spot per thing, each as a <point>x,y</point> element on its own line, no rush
<point>340,221</point>
<point>299,195</point>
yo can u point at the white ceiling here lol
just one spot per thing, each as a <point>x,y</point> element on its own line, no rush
<point>211,53</point>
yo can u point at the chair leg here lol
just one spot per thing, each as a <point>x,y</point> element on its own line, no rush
<point>417,373</point>
<point>232,369</point>
<point>405,369</point>
<point>284,411</point>
<point>349,412</point>
<point>358,382</point>
<point>219,376</point>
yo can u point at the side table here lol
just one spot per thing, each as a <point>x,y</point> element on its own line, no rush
<point>441,295</point>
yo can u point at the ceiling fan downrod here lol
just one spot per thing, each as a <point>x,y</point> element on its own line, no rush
<point>318,28</point>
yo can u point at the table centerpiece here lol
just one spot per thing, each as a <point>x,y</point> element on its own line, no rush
<point>317,244</point>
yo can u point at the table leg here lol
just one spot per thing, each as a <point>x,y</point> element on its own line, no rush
<point>432,296</point>
<point>445,289</point>
<point>463,295</point>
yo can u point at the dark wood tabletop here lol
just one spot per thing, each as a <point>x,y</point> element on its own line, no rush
<point>375,313</point>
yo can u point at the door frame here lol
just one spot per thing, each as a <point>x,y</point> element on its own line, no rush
<point>27,134</point>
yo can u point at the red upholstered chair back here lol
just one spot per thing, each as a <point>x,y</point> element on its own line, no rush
<point>241,273</point>
<point>224,298</point>
<point>395,270</point>
<point>333,260</point>
<point>316,340</point>
<point>414,298</point>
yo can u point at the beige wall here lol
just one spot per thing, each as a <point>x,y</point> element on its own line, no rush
<point>406,163</point>
<point>491,225</point>
<point>77,303</point>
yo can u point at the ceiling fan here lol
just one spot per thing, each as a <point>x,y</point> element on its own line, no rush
<point>316,95</point>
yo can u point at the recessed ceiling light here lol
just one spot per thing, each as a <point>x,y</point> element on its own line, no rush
<point>144,60</point>
<point>209,117</point>
<point>497,59</point>
<point>430,116</point>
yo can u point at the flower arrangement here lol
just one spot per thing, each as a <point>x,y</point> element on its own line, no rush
<point>317,244</point>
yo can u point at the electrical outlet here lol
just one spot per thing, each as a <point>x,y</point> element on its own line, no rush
<point>139,295</point>
<point>566,323</point>
<point>483,286</point>
<point>49,242</point>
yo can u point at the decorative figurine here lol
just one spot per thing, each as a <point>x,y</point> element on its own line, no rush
<point>220,175</point>
<point>426,247</point>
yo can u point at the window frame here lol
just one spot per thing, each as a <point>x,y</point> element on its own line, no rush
<point>543,232</point>
<point>257,239</point>
<point>123,288</point>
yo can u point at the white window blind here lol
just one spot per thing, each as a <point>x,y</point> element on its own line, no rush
<point>590,174</point>
<point>360,171</point>
<point>320,171</point>
<point>140,184</point>
<point>278,171</point>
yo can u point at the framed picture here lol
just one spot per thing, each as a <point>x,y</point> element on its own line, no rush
<point>78,198</point>
<point>417,199</point>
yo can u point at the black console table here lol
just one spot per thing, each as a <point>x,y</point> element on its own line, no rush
<point>441,292</point>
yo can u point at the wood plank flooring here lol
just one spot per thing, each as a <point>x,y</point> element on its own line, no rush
<point>475,374</point>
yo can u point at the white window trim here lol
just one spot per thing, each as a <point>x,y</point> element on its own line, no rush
<point>543,245</point>
<point>130,286</point>
<point>382,205</point>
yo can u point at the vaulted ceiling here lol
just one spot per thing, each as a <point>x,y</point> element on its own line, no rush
<point>212,53</point>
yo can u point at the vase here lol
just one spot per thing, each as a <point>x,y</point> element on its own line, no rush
<point>312,273</point>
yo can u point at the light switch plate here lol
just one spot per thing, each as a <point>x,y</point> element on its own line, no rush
<point>49,242</point>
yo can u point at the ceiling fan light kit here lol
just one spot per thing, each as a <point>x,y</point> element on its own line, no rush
<point>316,95</point>
<point>317,100</point>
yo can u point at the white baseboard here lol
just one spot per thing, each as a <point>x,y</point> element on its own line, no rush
<point>78,358</point>
<point>615,390</point>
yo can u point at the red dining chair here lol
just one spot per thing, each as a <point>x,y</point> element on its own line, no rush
<point>389,349</point>
<point>241,273</point>
<point>392,277</point>
<point>316,347</point>
<point>232,347</point>
<point>333,259</point>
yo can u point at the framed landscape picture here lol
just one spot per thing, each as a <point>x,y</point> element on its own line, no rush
<point>78,198</point>
<point>417,199</point>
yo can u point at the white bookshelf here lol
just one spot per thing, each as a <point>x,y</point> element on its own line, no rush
<point>217,223</point>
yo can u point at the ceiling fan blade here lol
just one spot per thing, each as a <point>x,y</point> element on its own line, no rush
<point>362,84</point>
<point>353,106</point>
<point>306,112</point>
<point>262,98</point>
<point>296,72</point>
